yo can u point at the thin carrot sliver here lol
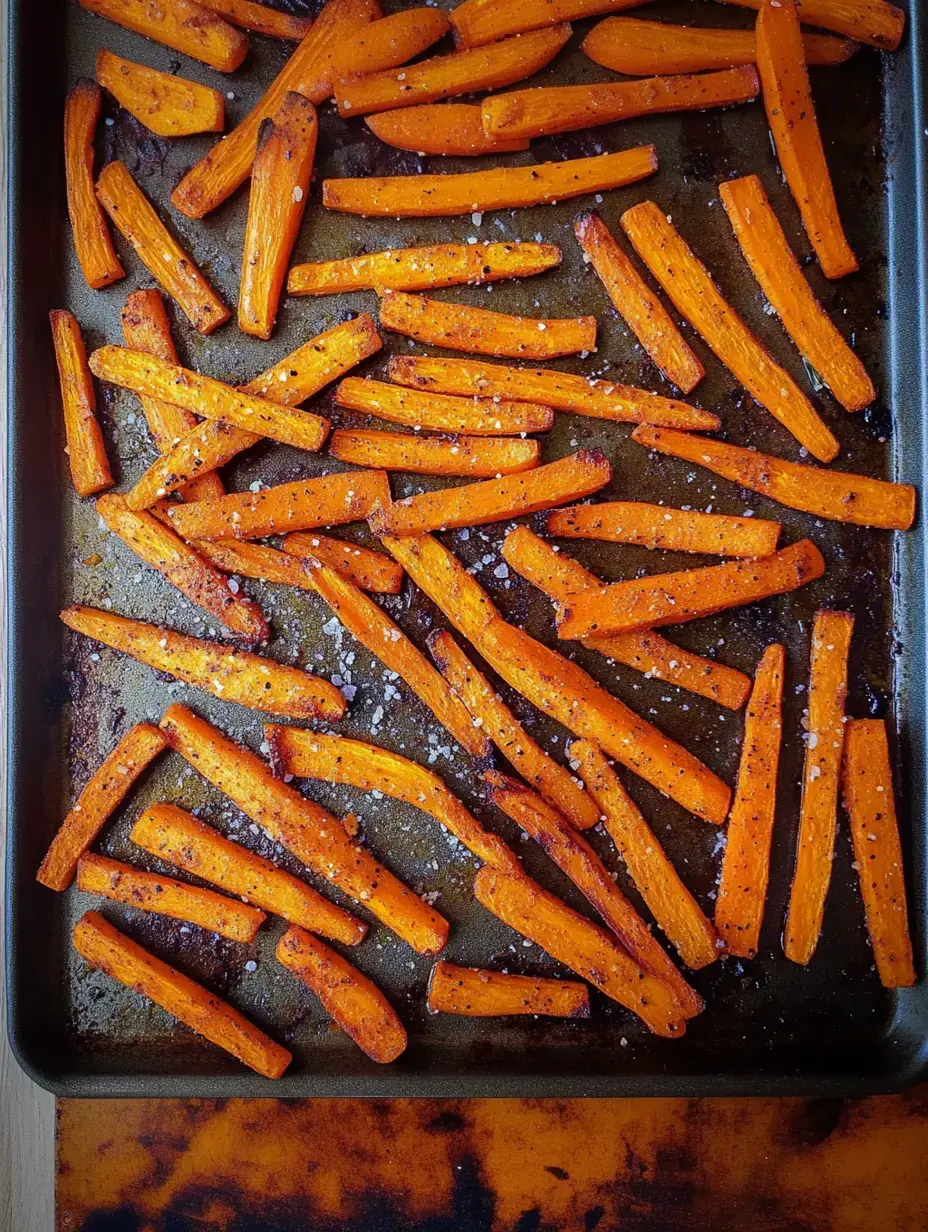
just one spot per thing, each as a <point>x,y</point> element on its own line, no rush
<point>423,410</point>
<point>89,465</point>
<point>468,457</point>
<point>92,241</point>
<point>477,22</point>
<point>667,528</point>
<point>477,993</point>
<point>870,21</point>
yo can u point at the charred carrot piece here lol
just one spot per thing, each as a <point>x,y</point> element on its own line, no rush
<point>92,241</point>
<point>837,496</point>
<point>477,993</point>
<point>167,105</point>
<point>314,836</point>
<point>662,526</point>
<point>309,72</point>
<point>232,675</point>
<point>90,467</point>
<point>477,22</point>
<point>690,288</point>
<point>164,258</point>
<point>868,799</point>
<point>366,569</point>
<point>767,251</point>
<point>441,128</point>
<point>103,794</point>
<point>389,42</point>
<point>474,457</point>
<point>742,895</point>
<point>106,948</point>
<point>869,21</point>
<point>438,413</point>
<point>185,25</point>
<point>258,17</point>
<point>348,997</point>
<point>818,813</point>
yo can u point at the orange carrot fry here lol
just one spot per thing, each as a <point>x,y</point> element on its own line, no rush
<point>92,242</point>
<point>164,895</point>
<point>831,640</point>
<point>350,998</point>
<point>661,526</point>
<point>582,946</point>
<point>106,948</point>
<point>791,116</point>
<point>185,25</point>
<point>167,105</point>
<point>690,288</point>
<point>460,327</point>
<point>438,413</point>
<point>389,42</point>
<point>637,304</point>
<point>476,993</point>
<point>102,795</point>
<point>433,196</point>
<point>279,188</point>
<point>366,569</point>
<point>336,759</point>
<point>90,467</point>
<point>167,262</point>
<point>868,800</point>
<point>742,894</point>
<point>677,913</point>
<point>262,20</point>
<point>309,72</point>
<point>767,251</point>
<point>477,22</point>
<point>313,835</point>
<point>441,128</point>
<point>232,675</point>
<point>562,390</point>
<point>474,457</point>
<point>835,495</point>
<point>870,21</point>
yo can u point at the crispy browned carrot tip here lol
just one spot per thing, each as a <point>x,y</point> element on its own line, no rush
<point>767,251</point>
<point>690,288</point>
<point>350,998</point>
<point>258,17</point>
<point>336,759</point>
<point>367,569</point>
<point>439,413</point>
<point>476,22</point>
<point>103,793</point>
<point>185,25</point>
<point>873,21</point>
<point>742,895</point>
<point>637,304</point>
<point>791,116</point>
<point>499,724</point>
<point>441,129</point>
<point>167,105</point>
<point>308,71</point>
<point>473,457</point>
<point>232,675</point>
<point>167,262</point>
<point>92,242</point>
<point>435,196</point>
<point>477,993</point>
<point>89,465</point>
<point>279,190</point>
<point>662,526</point>
<point>564,391</point>
<point>494,500</point>
<point>313,835</point>
<point>583,947</point>
<point>557,686</point>
<point>107,949</point>
<point>831,640</point>
<point>389,42</point>
<point>835,495</point>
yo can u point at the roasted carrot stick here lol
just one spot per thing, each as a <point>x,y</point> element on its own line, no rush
<point>463,72</point>
<point>433,196</point>
<point>90,467</point>
<point>309,72</point>
<point>690,288</point>
<point>186,26</point>
<point>742,895</point>
<point>441,128</point>
<point>870,21</point>
<point>437,413</point>
<point>831,640</point>
<point>109,950</point>
<point>476,993</point>
<point>637,304</point>
<point>232,675</point>
<point>92,242</point>
<point>474,457</point>
<point>791,116</point>
<point>102,795</point>
<point>348,997</point>
<point>336,759</point>
<point>484,21</point>
<point>835,495</point>
<point>314,836</point>
<point>767,251</point>
<point>167,262</point>
<point>258,17</point>
<point>661,526</point>
<point>366,569</point>
<point>868,799</point>
<point>167,105</point>
<point>389,42</point>
<point>499,724</point>
<point>562,390</point>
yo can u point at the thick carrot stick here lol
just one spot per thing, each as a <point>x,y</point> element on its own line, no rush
<point>167,105</point>
<point>438,413</point>
<point>870,21</point>
<point>831,640</point>
<point>791,116</point>
<point>186,26</point>
<point>662,526</point>
<point>389,42</point>
<point>690,288</point>
<point>92,241</point>
<point>262,20</point>
<point>868,799</point>
<point>109,950</point>
<point>102,795</point>
<point>837,496</point>
<point>476,993</point>
<point>441,128</point>
<point>366,569</point>
<point>90,467</point>
<point>637,304</point>
<point>474,457</point>
<point>477,22</point>
<point>742,894</point>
